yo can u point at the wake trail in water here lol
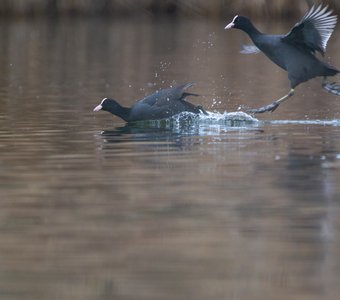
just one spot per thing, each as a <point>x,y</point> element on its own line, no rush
<point>335,122</point>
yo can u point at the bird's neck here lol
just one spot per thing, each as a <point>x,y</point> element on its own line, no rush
<point>252,31</point>
<point>120,111</point>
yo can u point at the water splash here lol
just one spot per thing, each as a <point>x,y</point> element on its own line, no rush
<point>212,123</point>
<point>233,119</point>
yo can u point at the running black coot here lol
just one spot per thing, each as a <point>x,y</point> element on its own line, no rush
<point>162,104</point>
<point>295,51</point>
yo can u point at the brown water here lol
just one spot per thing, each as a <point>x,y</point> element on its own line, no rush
<point>200,209</point>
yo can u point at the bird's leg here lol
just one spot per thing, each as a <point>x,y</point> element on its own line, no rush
<point>272,106</point>
<point>324,81</point>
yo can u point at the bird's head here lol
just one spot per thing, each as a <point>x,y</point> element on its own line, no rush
<point>107,104</point>
<point>239,22</point>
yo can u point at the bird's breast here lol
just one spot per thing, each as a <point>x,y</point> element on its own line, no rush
<point>273,48</point>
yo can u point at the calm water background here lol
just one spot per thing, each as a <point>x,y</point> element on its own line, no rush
<point>94,209</point>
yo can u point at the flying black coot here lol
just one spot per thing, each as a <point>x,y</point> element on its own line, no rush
<point>295,51</point>
<point>162,104</point>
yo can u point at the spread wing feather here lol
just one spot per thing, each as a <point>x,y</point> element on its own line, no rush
<point>314,30</point>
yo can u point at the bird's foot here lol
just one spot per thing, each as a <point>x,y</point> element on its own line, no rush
<point>332,87</point>
<point>270,107</point>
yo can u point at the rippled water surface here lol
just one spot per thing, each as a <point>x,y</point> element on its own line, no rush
<point>225,206</point>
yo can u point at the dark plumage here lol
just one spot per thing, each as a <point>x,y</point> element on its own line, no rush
<point>162,104</point>
<point>295,51</point>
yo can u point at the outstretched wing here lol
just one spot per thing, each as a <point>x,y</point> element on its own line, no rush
<point>314,30</point>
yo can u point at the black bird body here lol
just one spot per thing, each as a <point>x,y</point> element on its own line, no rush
<point>160,105</point>
<point>295,51</point>
<point>300,64</point>
<point>271,46</point>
